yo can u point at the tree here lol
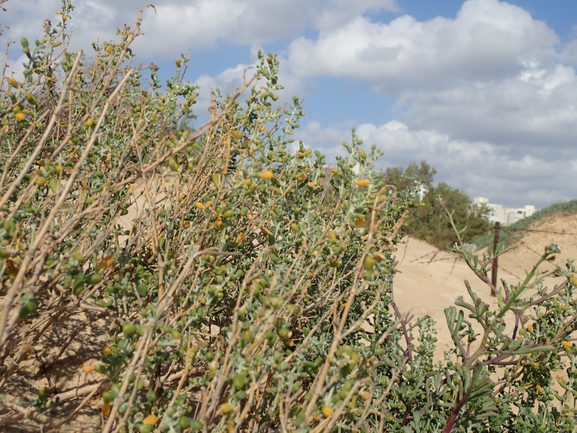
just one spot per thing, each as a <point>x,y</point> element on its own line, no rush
<point>403,178</point>
<point>429,221</point>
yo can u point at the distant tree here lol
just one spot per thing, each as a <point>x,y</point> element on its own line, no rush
<point>403,178</point>
<point>429,221</point>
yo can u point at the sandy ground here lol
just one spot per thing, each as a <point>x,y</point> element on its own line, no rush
<point>429,280</point>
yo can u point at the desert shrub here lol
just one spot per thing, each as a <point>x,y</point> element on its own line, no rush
<point>429,221</point>
<point>243,285</point>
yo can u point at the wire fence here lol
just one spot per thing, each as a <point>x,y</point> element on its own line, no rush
<point>509,240</point>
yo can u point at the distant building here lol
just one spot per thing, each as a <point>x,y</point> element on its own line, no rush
<point>422,192</point>
<point>506,216</point>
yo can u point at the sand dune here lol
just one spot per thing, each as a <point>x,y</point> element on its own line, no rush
<point>429,280</point>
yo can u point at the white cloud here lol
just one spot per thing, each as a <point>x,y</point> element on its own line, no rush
<point>181,25</point>
<point>536,108</point>
<point>479,168</point>
<point>569,52</point>
<point>208,22</point>
<point>485,41</point>
<point>226,82</point>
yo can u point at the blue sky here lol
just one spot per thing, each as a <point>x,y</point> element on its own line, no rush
<point>484,90</point>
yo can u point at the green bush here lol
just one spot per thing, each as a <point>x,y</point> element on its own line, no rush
<point>245,287</point>
<point>429,221</point>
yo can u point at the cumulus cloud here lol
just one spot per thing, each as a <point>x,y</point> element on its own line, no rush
<point>227,82</point>
<point>178,26</point>
<point>485,41</point>
<point>479,168</point>
<point>533,109</point>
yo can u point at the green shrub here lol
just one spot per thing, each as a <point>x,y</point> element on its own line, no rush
<point>429,222</point>
<point>245,287</point>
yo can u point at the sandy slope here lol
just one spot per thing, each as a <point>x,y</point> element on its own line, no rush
<point>429,280</point>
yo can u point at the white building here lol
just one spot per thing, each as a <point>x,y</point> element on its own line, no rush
<point>506,216</point>
<point>423,190</point>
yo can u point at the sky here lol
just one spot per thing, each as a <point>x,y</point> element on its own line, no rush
<point>485,91</point>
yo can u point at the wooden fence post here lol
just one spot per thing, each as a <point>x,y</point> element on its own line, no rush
<point>495,266</point>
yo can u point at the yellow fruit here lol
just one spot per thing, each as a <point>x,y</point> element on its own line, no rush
<point>107,350</point>
<point>530,327</point>
<point>199,205</point>
<point>360,222</point>
<point>566,344</point>
<point>88,368</point>
<point>226,408</point>
<point>32,100</point>
<point>362,182</point>
<point>302,177</point>
<point>106,262</point>
<point>238,381</point>
<point>327,411</point>
<point>246,182</point>
<point>13,83</point>
<point>267,174</point>
<point>173,164</point>
<point>263,128</point>
<point>365,395</point>
<point>150,420</point>
<point>574,281</point>
<point>40,181</point>
<point>369,263</point>
<point>312,185</point>
<point>89,122</point>
<point>105,409</point>
<point>20,116</point>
